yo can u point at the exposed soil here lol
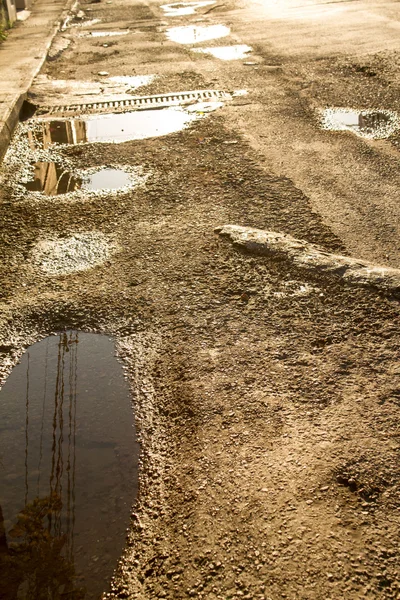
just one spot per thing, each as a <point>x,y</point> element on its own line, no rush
<point>267,398</point>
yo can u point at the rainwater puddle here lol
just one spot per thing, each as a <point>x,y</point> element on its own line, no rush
<point>370,124</point>
<point>113,127</point>
<point>227,52</point>
<point>108,179</point>
<point>180,9</point>
<point>68,469</point>
<point>66,255</point>
<point>52,179</point>
<point>134,81</point>
<point>193,34</point>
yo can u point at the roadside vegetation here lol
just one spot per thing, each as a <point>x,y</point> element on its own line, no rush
<point>3,22</point>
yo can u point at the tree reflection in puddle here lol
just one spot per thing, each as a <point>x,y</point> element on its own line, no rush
<point>40,563</point>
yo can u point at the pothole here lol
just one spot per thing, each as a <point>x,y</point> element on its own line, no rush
<point>69,468</point>
<point>79,252</point>
<point>236,52</point>
<point>133,81</point>
<point>180,9</point>
<point>113,127</point>
<point>194,34</point>
<point>370,124</point>
<point>52,179</point>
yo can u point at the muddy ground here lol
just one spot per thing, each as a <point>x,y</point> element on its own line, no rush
<point>266,397</point>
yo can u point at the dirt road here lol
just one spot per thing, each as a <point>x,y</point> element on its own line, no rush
<point>266,390</point>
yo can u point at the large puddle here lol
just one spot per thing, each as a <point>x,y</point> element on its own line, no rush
<point>68,469</point>
<point>193,34</point>
<point>226,52</point>
<point>180,9</point>
<point>112,127</point>
<point>370,124</point>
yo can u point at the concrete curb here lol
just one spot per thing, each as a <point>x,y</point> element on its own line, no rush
<point>17,74</point>
<point>311,257</point>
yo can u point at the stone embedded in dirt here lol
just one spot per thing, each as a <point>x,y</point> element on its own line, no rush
<point>60,44</point>
<point>369,124</point>
<point>309,256</point>
<point>79,252</point>
<point>103,73</point>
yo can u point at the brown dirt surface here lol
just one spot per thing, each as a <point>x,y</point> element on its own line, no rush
<point>267,398</point>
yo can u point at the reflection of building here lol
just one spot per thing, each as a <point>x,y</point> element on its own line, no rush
<point>58,132</point>
<point>372,120</point>
<point>64,132</point>
<point>51,179</point>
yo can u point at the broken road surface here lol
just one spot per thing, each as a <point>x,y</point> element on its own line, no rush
<point>264,372</point>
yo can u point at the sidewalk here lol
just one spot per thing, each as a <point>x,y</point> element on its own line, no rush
<point>21,57</point>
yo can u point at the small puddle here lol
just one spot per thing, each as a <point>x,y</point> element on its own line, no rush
<point>108,179</point>
<point>52,179</point>
<point>370,124</point>
<point>112,128</point>
<point>193,34</point>
<point>134,81</point>
<point>66,255</point>
<point>180,9</point>
<point>226,52</point>
<point>68,469</point>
